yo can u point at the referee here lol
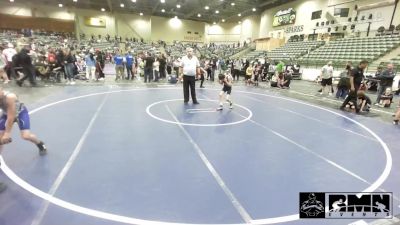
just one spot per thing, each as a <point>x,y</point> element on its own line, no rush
<point>356,78</point>
<point>189,69</point>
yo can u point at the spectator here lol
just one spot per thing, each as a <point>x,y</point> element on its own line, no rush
<point>3,64</point>
<point>386,98</point>
<point>69,62</point>
<point>386,81</point>
<point>156,69</point>
<point>343,86</point>
<point>90,63</point>
<point>237,68</point>
<point>279,67</point>
<point>130,65</point>
<point>281,81</point>
<point>148,68</point>
<point>162,68</point>
<point>249,74</point>
<point>397,116</point>
<point>9,53</point>
<point>176,65</point>
<point>119,65</point>
<point>326,76</point>
<point>100,64</point>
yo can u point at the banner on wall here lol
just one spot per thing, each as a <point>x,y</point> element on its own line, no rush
<point>95,21</point>
<point>284,17</point>
<point>195,38</point>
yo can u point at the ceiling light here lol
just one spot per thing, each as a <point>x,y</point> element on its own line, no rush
<point>162,1</point>
<point>216,11</point>
<point>254,9</point>
<point>122,5</point>
<point>178,6</point>
<point>240,22</point>
<point>162,10</point>
<point>199,15</point>
<point>207,7</point>
<point>223,20</point>
<point>11,0</point>
<point>141,14</point>
<point>214,23</point>
<point>75,0</point>
<point>60,5</point>
<point>103,9</point>
<point>232,4</point>
<point>134,1</point>
<point>239,14</point>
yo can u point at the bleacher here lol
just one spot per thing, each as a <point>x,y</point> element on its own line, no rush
<point>102,45</point>
<point>352,49</point>
<point>293,50</point>
<point>396,60</point>
<point>251,56</point>
<point>223,51</point>
<point>178,49</point>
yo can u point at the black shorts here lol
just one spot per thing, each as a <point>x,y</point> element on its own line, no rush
<point>248,77</point>
<point>256,77</point>
<point>325,82</point>
<point>227,89</point>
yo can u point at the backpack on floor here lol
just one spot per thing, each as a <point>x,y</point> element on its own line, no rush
<point>172,79</point>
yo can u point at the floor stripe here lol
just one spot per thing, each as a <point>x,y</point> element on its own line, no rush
<point>129,220</point>
<point>317,120</point>
<point>241,210</point>
<point>314,153</point>
<point>42,211</point>
<point>334,100</point>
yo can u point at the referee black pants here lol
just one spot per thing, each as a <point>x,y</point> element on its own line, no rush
<point>29,73</point>
<point>189,82</point>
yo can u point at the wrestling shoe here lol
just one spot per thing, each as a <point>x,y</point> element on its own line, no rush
<point>42,148</point>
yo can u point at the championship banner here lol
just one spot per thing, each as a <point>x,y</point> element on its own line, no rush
<point>284,17</point>
<point>95,22</point>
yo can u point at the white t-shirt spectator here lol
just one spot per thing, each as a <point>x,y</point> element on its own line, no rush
<point>9,53</point>
<point>190,65</point>
<point>327,72</point>
<point>156,65</point>
<point>238,65</point>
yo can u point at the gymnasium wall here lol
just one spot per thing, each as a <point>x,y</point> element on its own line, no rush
<point>129,25</point>
<point>248,30</point>
<point>223,32</point>
<point>146,27</point>
<point>304,9</point>
<point>170,29</point>
<point>81,27</point>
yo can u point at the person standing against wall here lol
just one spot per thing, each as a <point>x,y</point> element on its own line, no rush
<point>188,71</point>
